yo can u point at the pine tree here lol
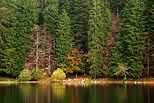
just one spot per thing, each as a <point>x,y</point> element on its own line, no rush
<point>96,39</point>
<point>64,41</point>
<point>130,38</point>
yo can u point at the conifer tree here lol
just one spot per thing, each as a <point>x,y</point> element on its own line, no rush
<point>106,31</point>
<point>6,39</point>
<point>21,21</point>
<point>130,43</point>
<point>64,41</point>
<point>78,13</point>
<point>117,6</point>
<point>26,17</point>
<point>95,39</point>
<point>51,19</point>
<point>63,5</point>
<point>149,40</point>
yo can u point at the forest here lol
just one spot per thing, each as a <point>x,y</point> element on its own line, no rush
<point>100,38</point>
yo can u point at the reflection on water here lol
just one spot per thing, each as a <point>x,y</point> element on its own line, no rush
<point>55,93</point>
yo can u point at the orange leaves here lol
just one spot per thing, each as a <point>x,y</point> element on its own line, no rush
<point>75,56</point>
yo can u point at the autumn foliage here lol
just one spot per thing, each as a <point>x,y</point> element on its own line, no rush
<point>75,60</point>
<point>58,74</point>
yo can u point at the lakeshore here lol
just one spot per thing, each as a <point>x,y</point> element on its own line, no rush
<point>82,81</point>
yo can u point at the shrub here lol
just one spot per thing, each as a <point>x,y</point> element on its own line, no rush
<point>37,75</point>
<point>58,74</point>
<point>25,75</point>
<point>124,79</point>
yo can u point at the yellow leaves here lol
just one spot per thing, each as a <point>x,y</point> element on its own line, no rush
<point>58,74</point>
<point>75,56</point>
<point>42,53</point>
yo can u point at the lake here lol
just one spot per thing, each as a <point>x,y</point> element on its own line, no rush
<point>55,93</point>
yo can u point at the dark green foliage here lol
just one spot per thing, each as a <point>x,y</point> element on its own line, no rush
<point>26,17</point>
<point>64,41</point>
<point>37,75</point>
<point>63,5</point>
<point>51,19</point>
<point>149,36</point>
<point>114,59</point>
<point>106,22</point>
<point>95,39</point>
<point>21,19</point>
<point>70,28</point>
<point>130,38</point>
<point>5,39</point>
<point>79,15</point>
<point>117,6</point>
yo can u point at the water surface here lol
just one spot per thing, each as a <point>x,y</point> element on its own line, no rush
<point>54,93</point>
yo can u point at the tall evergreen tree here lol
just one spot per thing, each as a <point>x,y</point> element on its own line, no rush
<point>149,40</point>
<point>95,39</point>
<point>64,41</point>
<point>78,13</point>
<point>51,19</point>
<point>130,38</point>
<point>21,20</point>
<point>26,17</point>
<point>106,31</point>
<point>7,49</point>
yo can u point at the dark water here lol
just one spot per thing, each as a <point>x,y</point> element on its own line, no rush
<point>54,93</point>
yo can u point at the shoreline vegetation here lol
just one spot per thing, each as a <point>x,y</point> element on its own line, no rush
<point>85,38</point>
<point>82,81</point>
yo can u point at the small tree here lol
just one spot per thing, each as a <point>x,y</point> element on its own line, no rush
<point>75,56</point>
<point>122,70</point>
<point>58,74</point>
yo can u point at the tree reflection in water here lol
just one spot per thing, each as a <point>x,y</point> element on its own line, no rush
<point>56,93</point>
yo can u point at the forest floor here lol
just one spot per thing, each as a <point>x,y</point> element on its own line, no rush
<point>82,81</point>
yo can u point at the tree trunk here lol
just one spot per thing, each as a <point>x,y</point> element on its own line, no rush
<point>95,76</point>
<point>125,76</point>
<point>148,58</point>
<point>49,63</point>
<point>37,49</point>
<point>76,75</point>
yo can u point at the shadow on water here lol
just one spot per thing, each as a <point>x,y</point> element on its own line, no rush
<point>55,93</point>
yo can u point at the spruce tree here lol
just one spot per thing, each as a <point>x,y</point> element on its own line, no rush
<point>6,39</point>
<point>26,17</point>
<point>78,13</point>
<point>95,39</point>
<point>130,41</point>
<point>149,40</point>
<point>21,20</point>
<point>51,18</point>
<point>64,41</point>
